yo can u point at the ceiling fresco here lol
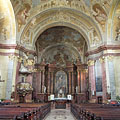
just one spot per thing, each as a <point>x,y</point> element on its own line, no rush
<point>61,44</point>
<point>60,55</point>
<point>61,34</point>
<point>27,12</point>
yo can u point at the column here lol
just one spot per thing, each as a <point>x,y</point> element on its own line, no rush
<point>78,81</point>
<point>73,84</point>
<point>104,83</point>
<point>91,70</point>
<point>51,82</point>
<point>111,77</point>
<point>48,83</point>
<point>38,82</point>
<point>43,81</point>
<point>16,81</point>
<point>69,82</point>
<point>82,81</point>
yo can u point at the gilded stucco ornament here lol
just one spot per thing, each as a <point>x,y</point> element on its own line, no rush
<point>94,39</point>
<point>76,4</point>
<point>102,59</point>
<point>91,62</point>
<point>110,57</point>
<point>27,38</point>
<point>59,16</point>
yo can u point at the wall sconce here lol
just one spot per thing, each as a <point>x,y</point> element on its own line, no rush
<point>1,79</point>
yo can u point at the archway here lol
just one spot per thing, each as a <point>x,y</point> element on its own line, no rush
<point>61,54</point>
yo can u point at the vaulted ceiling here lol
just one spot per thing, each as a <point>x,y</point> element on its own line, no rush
<point>59,43</point>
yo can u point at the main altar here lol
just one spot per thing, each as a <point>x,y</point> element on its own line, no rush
<point>60,103</point>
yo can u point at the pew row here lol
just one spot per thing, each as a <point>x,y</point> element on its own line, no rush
<point>24,111</point>
<point>95,112</point>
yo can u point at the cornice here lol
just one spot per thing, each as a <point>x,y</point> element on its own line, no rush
<point>102,48</point>
<point>17,47</point>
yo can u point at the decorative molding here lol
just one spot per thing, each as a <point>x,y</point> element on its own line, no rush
<point>73,4</point>
<point>102,48</point>
<point>109,56</point>
<point>8,54</point>
<point>17,47</point>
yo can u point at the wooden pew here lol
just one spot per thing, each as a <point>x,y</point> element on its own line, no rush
<point>24,111</point>
<point>95,112</point>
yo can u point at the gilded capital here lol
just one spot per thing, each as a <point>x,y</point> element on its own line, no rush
<point>91,62</point>
<point>102,59</point>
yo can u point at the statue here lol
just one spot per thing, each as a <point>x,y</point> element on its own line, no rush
<point>60,91</point>
<point>44,89</point>
<point>23,14</point>
<point>99,14</point>
<point>118,35</point>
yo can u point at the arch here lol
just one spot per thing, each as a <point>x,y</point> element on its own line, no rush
<point>110,24</point>
<point>66,24</point>
<point>80,24</point>
<point>7,23</point>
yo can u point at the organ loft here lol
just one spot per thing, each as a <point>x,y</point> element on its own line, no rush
<point>59,54</point>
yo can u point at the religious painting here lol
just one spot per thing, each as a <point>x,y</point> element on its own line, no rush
<point>60,84</point>
<point>60,34</point>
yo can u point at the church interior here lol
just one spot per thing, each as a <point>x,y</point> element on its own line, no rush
<point>59,58</point>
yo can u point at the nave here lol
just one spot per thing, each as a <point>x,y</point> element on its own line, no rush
<point>60,114</point>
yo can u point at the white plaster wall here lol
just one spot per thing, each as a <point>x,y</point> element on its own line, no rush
<point>4,75</point>
<point>116,61</point>
<point>8,73</point>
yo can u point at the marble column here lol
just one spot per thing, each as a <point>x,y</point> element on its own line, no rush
<point>42,77</point>
<point>92,85</point>
<point>111,76</point>
<point>82,81</point>
<point>29,79</point>
<point>16,81</point>
<point>78,81</point>
<point>73,83</point>
<point>104,82</point>
<point>69,82</point>
<point>52,82</point>
<point>48,83</point>
<point>38,82</point>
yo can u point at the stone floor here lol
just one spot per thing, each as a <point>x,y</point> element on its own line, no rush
<point>60,114</point>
